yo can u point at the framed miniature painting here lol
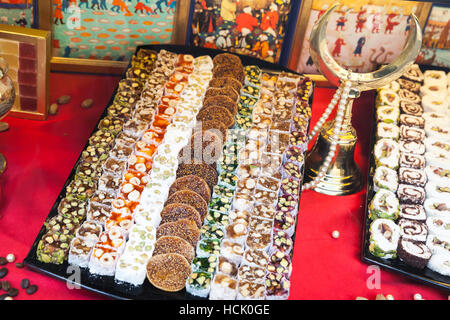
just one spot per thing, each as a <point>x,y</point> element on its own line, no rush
<point>361,34</point>
<point>436,38</point>
<point>20,13</point>
<point>27,53</point>
<point>252,27</point>
<point>101,35</point>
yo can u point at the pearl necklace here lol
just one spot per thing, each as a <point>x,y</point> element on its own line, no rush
<point>341,95</point>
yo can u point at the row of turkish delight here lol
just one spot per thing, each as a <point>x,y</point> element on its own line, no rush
<point>163,173</point>
<point>188,196</point>
<point>213,232</point>
<point>122,182</point>
<point>234,225</point>
<point>409,179</point>
<point>55,244</point>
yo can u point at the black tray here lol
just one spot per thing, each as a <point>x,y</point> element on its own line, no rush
<point>106,285</point>
<point>426,275</point>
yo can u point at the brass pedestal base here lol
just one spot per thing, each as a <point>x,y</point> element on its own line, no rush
<point>343,176</point>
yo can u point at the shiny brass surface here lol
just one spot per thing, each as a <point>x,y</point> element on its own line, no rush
<point>343,175</point>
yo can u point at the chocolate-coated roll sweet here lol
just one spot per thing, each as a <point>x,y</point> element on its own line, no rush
<point>411,108</point>
<point>412,121</point>
<point>413,253</point>
<point>410,194</point>
<point>413,230</point>
<point>409,146</point>
<point>410,160</point>
<point>413,73</point>
<point>415,177</point>
<point>412,212</point>
<point>409,85</point>
<point>411,133</point>
<point>409,96</point>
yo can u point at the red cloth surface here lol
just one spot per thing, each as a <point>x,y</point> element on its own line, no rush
<point>41,155</point>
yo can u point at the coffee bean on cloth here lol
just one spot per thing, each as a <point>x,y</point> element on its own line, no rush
<point>87,103</point>
<point>3,272</point>
<point>31,289</point>
<point>64,99</point>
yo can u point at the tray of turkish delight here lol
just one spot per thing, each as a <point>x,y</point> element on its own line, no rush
<point>407,221</point>
<point>189,185</point>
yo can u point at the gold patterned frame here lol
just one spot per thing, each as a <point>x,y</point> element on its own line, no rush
<point>42,40</point>
<point>179,34</point>
<point>423,10</point>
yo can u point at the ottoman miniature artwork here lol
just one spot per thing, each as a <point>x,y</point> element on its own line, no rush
<point>110,30</point>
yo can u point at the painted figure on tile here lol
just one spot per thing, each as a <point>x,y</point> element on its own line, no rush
<point>337,47</point>
<point>197,18</point>
<point>376,22</point>
<point>94,4</point>
<point>210,17</point>
<point>360,20</point>
<point>65,5</point>
<point>171,5</point>
<point>85,3</point>
<point>408,24</point>
<point>321,12</point>
<point>359,46</point>
<point>269,20</point>
<point>103,5</point>
<point>139,7</point>
<point>119,6</point>
<point>209,43</point>
<point>22,20</point>
<point>246,22</point>
<point>340,22</point>
<point>261,47</point>
<point>58,14</point>
<point>159,4</point>
<point>391,22</point>
<point>224,40</point>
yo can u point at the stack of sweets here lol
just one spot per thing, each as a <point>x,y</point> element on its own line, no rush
<point>245,246</point>
<point>411,205</point>
<point>181,203</point>
<point>89,196</point>
<point>435,102</point>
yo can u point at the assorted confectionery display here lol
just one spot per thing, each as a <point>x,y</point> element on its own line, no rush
<point>191,180</point>
<point>245,244</point>
<point>410,210</point>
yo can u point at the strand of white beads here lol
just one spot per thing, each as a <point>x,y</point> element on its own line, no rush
<point>326,113</point>
<point>345,86</point>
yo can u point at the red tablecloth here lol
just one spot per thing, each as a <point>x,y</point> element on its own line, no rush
<point>41,155</point>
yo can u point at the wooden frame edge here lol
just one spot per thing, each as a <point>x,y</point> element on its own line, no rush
<point>181,20</point>
<point>299,34</point>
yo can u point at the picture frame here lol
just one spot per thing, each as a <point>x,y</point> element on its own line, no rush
<point>305,21</point>
<point>27,51</point>
<point>99,66</point>
<point>435,50</point>
<point>255,28</point>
